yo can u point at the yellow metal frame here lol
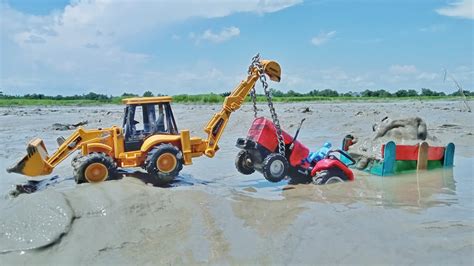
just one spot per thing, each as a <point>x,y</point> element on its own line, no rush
<point>146,100</point>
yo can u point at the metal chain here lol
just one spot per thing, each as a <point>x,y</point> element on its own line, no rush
<point>276,121</point>
<point>253,95</point>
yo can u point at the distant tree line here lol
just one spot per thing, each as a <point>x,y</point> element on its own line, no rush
<point>367,93</point>
<point>89,96</point>
<point>276,93</point>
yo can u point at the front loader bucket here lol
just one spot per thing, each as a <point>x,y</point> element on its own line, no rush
<point>35,162</point>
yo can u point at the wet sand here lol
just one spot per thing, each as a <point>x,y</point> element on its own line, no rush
<point>212,214</point>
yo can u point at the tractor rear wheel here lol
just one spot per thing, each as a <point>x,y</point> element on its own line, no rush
<point>243,163</point>
<point>275,167</point>
<point>330,176</point>
<point>93,168</point>
<point>164,163</point>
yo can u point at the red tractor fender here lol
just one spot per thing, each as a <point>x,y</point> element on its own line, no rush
<point>327,163</point>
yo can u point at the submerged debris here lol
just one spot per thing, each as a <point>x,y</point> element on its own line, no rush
<point>306,110</point>
<point>450,126</point>
<point>32,186</point>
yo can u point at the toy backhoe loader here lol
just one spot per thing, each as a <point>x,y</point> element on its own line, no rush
<point>156,144</point>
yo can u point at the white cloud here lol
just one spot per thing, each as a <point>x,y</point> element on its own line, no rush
<point>344,80</point>
<point>368,41</point>
<point>460,9</point>
<point>323,37</point>
<point>268,6</point>
<point>85,44</point>
<point>403,69</point>
<point>428,76</point>
<point>222,36</point>
<point>433,28</point>
<point>331,78</point>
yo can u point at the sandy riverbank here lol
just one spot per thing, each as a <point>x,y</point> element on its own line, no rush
<point>212,214</point>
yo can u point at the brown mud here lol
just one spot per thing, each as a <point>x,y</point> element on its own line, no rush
<point>212,214</point>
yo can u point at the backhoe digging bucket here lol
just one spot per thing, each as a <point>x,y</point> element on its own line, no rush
<point>272,69</point>
<point>35,162</point>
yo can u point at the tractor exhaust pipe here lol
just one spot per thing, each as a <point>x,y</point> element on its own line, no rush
<point>34,163</point>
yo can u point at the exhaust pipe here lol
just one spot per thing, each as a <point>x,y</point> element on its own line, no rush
<point>35,161</point>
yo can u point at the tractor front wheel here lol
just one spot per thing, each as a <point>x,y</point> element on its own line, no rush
<point>330,176</point>
<point>93,168</point>
<point>243,163</point>
<point>275,167</point>
<point>164,163</point>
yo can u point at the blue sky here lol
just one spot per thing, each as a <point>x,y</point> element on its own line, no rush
<point>172,47</point>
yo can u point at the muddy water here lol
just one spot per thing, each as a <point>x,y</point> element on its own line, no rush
<point>211,214</point>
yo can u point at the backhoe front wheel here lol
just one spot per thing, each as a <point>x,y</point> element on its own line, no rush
<point>93,168</point>
<point>164,163</point>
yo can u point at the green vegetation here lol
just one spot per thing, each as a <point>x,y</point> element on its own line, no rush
<point>278,96</point>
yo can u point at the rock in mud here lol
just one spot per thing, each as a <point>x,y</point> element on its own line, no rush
<point>407,131</point>
<point>401,129</point>
<point>62,127</point>
<point>306,110</point>
<point>34,221</point>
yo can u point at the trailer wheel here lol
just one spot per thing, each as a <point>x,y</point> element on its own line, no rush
<point>243,163</point>
<point>164,163</point>
<point>275,167</point>
<point>330,176</point>
<point>93,168</point>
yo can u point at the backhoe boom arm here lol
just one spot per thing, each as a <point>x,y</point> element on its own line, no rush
<point>234,101</point>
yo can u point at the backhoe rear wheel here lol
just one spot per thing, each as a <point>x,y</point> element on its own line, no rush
<point>164,163</point>
<point>93,168</point>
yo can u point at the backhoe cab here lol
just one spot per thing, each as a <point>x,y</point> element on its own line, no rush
<point>144,117</point>
<point>148,138</point>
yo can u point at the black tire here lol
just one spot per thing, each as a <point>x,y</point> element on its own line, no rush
<point>243,163</point>
<point>101,160</point>
<point>275,167</point>
<point>75,159</point>
<point>163,176</point>
<point>330,176</point>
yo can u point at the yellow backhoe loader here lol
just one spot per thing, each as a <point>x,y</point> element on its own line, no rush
<point>156,144</point>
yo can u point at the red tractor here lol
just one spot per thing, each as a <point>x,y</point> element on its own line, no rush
<point>260,152</point>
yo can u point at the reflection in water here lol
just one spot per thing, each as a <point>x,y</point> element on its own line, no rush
<point>416,190</point>
<point>419,190</point>
<point>268,207</point>
<point>266,216</point>
<point>32,186</point>
<point>423,190</point>
<point>181,180</point>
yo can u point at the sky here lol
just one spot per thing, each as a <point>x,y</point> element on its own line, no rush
<point>188,46</point>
